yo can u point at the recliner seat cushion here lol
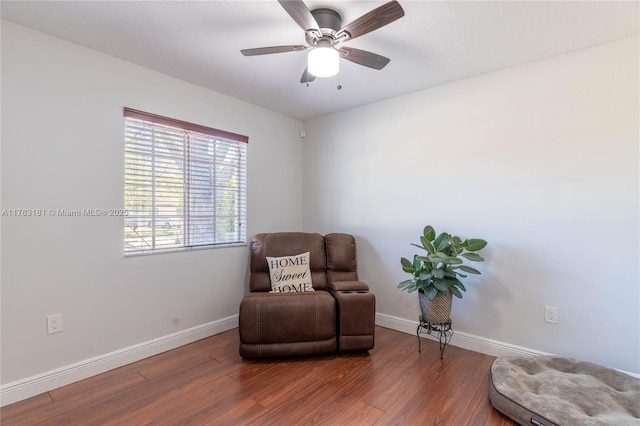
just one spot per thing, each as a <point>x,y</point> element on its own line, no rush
<point>287,317</point>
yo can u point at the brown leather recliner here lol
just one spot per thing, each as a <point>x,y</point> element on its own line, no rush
<point>338,316</point>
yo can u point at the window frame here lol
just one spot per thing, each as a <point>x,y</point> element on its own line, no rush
<point>192,132</point>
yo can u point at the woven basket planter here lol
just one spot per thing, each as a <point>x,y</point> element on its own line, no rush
<point>436,311</point>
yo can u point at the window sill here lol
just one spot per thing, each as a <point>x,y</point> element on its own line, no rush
<point>183,249</point>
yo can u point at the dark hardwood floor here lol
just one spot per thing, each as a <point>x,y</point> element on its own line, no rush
<point>207,383</point>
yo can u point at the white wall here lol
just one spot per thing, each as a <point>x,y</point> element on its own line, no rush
<point>62,147</point>
<point>541,160</point>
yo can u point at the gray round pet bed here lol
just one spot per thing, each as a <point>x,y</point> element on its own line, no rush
<point>555,391</point>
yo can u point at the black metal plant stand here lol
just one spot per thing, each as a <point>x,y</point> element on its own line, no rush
<point>444,331</point>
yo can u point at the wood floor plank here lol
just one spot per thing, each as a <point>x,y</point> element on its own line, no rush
<point>241,412</point>
<point>213,394</point>
<point>119,407</point>
<point>431,383</point>
<point>248,370</point>
<point>25,406</point>
<point>226,347</point>
<point>396,345</point>
<point>70,397</point>
<point>477,403</point>
<point>174,366</point>
<point>275,383</point>
<point>302,402</point>
<point>167,362</point>
<point>391,383</point>
<point>356,414</point>
<point>97,387</point>
<point>207,383</point>
<point>449,411</point>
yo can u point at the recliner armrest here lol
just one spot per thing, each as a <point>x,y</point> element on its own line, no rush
<point>356,309</point>
<point>348,286</point>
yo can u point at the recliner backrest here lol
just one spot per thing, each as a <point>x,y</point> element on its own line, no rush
<point>341,257</point>
<point>280,244</point>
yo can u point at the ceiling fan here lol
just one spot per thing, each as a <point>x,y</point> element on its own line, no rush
<point>325,34</point>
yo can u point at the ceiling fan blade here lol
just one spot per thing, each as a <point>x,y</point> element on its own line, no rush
<point>273,49</point>
<point>307,77</point>
<point>383,15</point>
<point>300,13</point>
<point>362,57</point>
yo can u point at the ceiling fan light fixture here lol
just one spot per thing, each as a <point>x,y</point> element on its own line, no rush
<point>324,61</point>
<point>324,32</point>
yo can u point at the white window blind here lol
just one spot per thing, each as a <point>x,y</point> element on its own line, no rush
<point>185,185</point>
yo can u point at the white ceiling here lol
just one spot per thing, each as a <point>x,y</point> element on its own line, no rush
<point>433,44</point>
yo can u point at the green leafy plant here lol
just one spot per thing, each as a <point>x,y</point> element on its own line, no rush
<point>437,272</point>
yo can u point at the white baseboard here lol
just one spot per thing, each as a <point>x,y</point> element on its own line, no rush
<point>462,340</point>
<point>44,382</point>
<point>466,340</point>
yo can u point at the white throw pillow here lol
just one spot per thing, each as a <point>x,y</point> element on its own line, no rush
<point>290,273</point>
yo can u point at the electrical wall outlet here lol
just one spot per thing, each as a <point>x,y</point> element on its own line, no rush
<point>54,323</point>
<point>551,314</point>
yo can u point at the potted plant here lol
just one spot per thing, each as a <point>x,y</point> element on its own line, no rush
<point>435,274</point>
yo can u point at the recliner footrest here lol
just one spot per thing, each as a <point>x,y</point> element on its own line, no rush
<point>274,324</point>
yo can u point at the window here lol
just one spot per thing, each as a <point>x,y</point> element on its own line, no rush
<point>185,185</point>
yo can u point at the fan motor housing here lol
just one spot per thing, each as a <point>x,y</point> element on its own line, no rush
<point>328,20</point>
